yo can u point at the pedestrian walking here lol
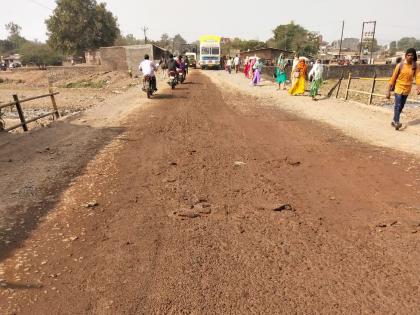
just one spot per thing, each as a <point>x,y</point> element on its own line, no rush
<point>401,83</point>
<point>315,77</point>
<point>246,67</point>
<point>257,67</point>
<point>281,76</point>
<point>229,65</point>
<point>299,75</point>
<point>237,63</point>
<point>294,65</point>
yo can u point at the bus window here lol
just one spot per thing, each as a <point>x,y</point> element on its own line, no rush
<point>215,51</point>
<point>205,50</point>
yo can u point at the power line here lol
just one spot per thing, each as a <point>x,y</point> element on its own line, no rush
<point>40,5</point>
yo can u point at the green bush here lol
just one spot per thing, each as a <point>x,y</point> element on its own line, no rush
<point>40,54</point>
<point>86,84</point>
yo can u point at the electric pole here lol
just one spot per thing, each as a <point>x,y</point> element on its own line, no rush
<point>145,29</point>
<point>373,43</point>
<point>369,35</point>
<point>341,42</point>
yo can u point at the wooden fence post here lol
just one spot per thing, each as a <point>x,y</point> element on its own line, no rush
<point>348,87</point>
<point>54,103</point>
<point>339,85</point>
<point>372,90</point>
<point>20,112</point>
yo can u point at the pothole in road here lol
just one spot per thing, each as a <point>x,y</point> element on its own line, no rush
<point>199,210</point>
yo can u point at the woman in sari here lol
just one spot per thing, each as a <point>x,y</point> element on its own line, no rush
<point>258,66</point>
<point>252,62</point>
<point>247,66</point>
<point>294,65</point>
<point>299,74</point>
<point>315,76</point>
<point>281,76</point>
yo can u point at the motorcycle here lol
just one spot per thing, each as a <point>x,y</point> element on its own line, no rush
<point>173,79</point>
<point>181,76</point>
<point>148,86</point>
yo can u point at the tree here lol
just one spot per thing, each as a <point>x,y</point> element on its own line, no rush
<point>127,40</point>
<point>242,45</point>
<point>13,29</point>
<point>7,47</point>
<point>408,42</point>
<point>295,38</point>
<point>14,41</point>
<point>40,54</point>
<point>165,41</point>
<point>80,25</point>
<point>178,42</point>
<point>393,48</point>
<point>107,29</point>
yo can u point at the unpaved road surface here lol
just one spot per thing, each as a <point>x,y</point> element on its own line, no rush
<point>181,219</point>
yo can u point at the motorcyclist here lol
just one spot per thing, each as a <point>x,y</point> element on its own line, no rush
<point>182,66</point>
<point>172,64</point>
<point>148,68</point>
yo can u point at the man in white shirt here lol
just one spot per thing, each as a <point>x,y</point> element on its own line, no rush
<point>148,68</point>
<point>237,62</point>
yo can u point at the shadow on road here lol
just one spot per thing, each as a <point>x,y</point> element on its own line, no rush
<point>163,96</point>
<point>18,286</point>
<point>36,168</point>
<point>414,122</point>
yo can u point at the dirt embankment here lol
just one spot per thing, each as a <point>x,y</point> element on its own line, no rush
<point>213,202</point>
<point>79,90</point>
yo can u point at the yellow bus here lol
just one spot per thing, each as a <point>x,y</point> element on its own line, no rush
<point>210,52</point>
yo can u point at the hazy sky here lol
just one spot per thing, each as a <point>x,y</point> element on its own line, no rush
<point>245,19</point>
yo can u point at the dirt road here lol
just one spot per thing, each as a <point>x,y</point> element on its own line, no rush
<point>178,218</point>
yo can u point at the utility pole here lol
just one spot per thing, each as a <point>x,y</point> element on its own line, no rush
<point>145,29</point>
<point>361,43</point>
<point>370,35</point>
<point>373,43</point>
<point>341,42</point>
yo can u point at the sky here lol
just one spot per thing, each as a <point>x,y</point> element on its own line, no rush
<point>244,19</point>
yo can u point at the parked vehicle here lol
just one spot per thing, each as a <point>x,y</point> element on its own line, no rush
<point>15,65</point>
<point>3,66</point>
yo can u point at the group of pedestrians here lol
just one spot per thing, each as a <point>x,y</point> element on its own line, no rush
<point>299,76</point>
<point>233,64</point>
<point>253,68</point>
<point>400,83</point>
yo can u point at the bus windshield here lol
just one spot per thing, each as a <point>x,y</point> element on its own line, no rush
<point>215,51</point>
<point>205,50</point>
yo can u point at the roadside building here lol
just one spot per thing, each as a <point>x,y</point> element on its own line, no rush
<point>129,57</point>
<point>12,61</point>
<point>93,57</point>
<point>270,54</point>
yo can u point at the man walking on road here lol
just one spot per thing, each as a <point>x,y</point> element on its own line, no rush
<point>401,82</point>
<point>237,63</point>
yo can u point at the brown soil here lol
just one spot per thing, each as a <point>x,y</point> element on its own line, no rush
<point>181,219</point>
<point>78,91</point>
